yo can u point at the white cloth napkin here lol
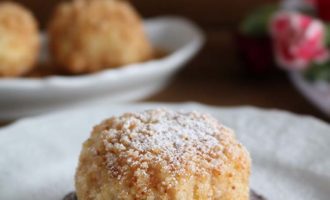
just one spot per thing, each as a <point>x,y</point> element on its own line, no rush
<point>290,153</point>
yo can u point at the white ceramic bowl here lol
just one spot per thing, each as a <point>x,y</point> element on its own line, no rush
<point>317,93</point>
<point>25,96</point>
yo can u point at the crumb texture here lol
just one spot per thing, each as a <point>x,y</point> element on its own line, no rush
<point>162,154</point>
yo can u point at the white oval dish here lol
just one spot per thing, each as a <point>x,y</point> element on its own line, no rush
<point>317,93</point>
<point>38,155</point>
<point>27,96</point>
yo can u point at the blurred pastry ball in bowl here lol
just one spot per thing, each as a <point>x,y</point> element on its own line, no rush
<point>91,35</point>
<point>19,40</point>
<point>163,154</point>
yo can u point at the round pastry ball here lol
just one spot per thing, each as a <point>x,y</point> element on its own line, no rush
<point>19,40</point>
<point>91,35</point>
<point>162,154</point>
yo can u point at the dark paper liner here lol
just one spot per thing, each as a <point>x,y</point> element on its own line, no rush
<point>253,196</point>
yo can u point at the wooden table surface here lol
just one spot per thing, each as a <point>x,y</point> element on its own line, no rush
<point>215,76</point>
<point>236,90</point>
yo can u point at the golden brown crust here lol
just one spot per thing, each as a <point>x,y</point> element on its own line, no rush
<point>87,36</point>
<point>161,154</point>
<point>19,40</point>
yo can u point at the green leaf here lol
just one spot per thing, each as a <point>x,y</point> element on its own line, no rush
<point>327,34</point>
<point>256,24</point>
<point>318,71</point>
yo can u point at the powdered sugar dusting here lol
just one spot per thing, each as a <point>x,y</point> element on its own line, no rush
<point>176,143</point>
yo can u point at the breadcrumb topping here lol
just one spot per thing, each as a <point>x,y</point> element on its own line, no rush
<point>179,143</point>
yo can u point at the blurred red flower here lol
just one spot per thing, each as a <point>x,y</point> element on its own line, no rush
<point>299,40</point>
<point>311,2</point>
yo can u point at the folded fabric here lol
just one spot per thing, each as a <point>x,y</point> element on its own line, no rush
<point>38,156</point>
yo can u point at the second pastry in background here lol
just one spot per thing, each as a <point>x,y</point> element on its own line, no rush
<point>88,36</point>
<point>19,40</point>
